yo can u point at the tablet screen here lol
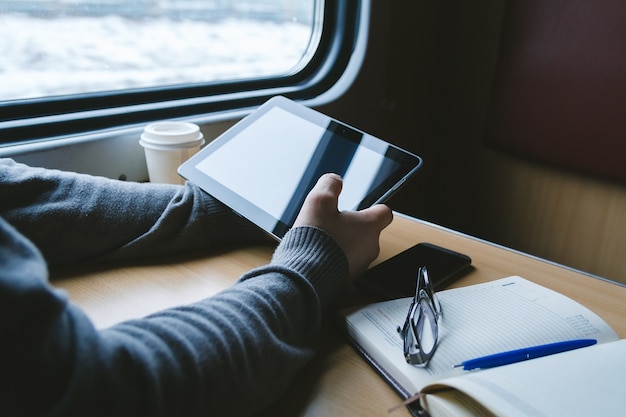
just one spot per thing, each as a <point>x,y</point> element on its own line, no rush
<point>264,166</point>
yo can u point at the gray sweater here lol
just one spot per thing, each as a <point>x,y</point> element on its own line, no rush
<point>230,354</point>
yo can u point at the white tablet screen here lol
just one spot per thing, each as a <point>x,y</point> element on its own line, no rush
<point>265,167</point>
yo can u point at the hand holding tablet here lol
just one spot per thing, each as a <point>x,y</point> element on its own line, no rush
<point>265,165</point>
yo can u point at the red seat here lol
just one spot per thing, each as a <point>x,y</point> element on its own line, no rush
<point>559,94</point>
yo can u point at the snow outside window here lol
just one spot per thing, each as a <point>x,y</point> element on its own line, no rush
<point>65,47</point>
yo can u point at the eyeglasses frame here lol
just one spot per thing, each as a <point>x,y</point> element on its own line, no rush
<point>427,306</point>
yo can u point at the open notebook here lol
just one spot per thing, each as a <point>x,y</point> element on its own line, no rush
<point>502,315</point>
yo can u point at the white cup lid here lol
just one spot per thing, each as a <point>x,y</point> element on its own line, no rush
<point>169,133</point>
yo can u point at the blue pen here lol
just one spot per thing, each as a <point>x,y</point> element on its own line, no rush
<point>519,355</point>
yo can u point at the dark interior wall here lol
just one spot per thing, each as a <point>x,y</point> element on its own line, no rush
<point>424,86</point>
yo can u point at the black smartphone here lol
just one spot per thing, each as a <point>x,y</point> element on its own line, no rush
<point>397,276</point>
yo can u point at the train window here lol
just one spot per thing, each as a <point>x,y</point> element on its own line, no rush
<point>54,47</point>
<point>70,66</point>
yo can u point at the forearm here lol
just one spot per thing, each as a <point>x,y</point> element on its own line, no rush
<point>234,353</point>
<point>72,217</point>
<point>226,355</point>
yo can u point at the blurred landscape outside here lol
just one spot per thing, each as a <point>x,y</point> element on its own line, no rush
<point>59,47</point>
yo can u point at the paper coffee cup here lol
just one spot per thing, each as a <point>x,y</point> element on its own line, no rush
<point>167,145</point>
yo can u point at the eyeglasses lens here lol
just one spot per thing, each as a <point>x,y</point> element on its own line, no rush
<point>425,326</point>
<point>420,330</point>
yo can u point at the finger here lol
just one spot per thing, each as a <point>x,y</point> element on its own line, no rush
<point>320,204</point>
<point>331,183</point>
<point>380,214</point>
<point>325,192</point>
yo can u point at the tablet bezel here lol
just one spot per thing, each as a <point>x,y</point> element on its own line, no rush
<point>276,227</point>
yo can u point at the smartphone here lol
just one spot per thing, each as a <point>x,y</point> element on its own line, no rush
<point>396,277</point>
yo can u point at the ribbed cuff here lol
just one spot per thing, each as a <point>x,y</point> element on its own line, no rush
<point>316,256</point>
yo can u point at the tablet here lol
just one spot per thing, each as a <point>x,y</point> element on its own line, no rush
<point>264,166</point>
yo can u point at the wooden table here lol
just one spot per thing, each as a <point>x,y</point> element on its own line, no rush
<point>338,382</point>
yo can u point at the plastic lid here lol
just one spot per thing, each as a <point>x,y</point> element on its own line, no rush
<point>171,146</point>
<point>169,133</point>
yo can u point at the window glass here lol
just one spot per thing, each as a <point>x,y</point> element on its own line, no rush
<point>62,47</point>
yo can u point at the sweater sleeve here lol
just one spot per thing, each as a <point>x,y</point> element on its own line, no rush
<point>73,217</point>
<point>231,354</point>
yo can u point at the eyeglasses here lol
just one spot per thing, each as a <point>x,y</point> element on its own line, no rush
<point>420,330</point>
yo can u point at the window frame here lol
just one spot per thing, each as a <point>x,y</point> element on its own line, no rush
<point>33,120</point>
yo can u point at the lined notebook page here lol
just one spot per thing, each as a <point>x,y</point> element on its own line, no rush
<point>478,320</point>
<point>578,383</point>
